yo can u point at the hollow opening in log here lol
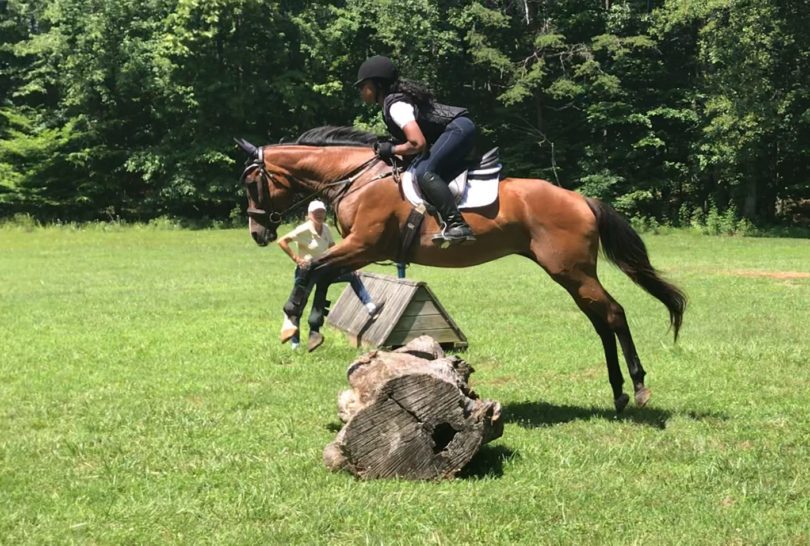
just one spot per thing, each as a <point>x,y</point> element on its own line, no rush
<point>443,434</point>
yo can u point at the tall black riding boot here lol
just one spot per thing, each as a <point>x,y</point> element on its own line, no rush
<point>455,229</point>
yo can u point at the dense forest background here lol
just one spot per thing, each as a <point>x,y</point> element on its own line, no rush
<point>669,109</point>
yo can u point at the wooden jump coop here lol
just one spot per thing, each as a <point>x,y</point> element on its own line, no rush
<point>410,309</point>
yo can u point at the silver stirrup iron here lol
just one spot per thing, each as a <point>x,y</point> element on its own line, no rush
<point>441,240</point>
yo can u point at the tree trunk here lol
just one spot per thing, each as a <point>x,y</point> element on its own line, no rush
<point>750,202</point>
<point>410,414</point>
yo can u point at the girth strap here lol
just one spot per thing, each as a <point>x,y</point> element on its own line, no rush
<point>412,225</point>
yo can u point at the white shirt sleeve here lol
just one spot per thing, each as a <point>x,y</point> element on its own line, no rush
<point>402,113</point>
<point>294,234</point>
<point>327,235</point>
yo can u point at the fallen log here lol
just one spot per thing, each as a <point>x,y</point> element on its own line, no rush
<point>411,414</point>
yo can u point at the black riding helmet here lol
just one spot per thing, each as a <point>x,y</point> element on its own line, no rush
<point>377,67</point>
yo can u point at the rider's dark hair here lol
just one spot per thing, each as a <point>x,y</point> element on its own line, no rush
<point>417,92</point>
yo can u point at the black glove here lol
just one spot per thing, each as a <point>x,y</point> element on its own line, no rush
<point>384,150</point>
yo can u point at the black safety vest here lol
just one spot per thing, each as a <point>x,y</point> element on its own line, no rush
<point>432,120</point>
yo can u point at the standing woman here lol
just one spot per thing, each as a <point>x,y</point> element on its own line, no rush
<point>313,239</point>
<point>442,135</point>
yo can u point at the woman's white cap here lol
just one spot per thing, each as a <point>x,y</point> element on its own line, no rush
<point>316,205</point>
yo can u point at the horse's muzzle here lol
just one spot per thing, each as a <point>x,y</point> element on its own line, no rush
<point>264,237</point>
<point>260,240</point>
<point>262,234</point>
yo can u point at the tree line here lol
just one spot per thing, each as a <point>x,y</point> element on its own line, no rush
<point>664,108</point>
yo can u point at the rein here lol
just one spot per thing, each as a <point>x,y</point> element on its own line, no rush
<point>276,217</point>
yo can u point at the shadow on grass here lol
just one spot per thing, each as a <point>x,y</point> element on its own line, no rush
<point>488,463</point>
<point>543,414</point>
<point>334,426</point>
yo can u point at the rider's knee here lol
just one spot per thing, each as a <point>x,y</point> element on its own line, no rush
<point>428,177</point>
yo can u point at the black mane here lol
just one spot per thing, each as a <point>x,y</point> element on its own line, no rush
<point>329,135</point>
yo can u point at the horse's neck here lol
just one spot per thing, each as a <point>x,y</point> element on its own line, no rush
<point>315,165</point>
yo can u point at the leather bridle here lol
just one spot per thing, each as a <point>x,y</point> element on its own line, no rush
<point>258,188</point>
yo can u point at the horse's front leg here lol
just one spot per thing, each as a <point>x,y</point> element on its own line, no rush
<point>350,254</point>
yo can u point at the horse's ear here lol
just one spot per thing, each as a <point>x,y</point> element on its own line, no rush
<point>249,148</point>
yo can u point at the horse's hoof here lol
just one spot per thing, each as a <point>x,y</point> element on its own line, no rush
<point>289,329</point>
<point>621,402</point>
<point>643,396</point>
<point>288,334</point>
<point>315,341</point>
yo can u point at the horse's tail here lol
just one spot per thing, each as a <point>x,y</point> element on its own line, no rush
<point>623,246</point>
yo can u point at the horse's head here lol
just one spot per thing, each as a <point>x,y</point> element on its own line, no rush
<point>267,197</point>
<point>277,174</point>
<point>263,220</point>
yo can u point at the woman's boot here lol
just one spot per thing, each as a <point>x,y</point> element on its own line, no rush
<point>437,193</point>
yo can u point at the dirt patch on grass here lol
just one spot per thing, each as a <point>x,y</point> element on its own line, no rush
<point>591,372</point>
<point>501,380</point>
<point>781,275</point>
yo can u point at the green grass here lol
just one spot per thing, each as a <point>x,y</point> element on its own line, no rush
<point>144,399</point>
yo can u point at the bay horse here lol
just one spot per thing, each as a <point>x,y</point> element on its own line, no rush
<point>558,229</point>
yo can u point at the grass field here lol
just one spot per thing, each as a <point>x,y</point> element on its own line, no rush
<point>144,399</point>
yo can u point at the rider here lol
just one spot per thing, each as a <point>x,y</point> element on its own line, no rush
<point>442,135</point>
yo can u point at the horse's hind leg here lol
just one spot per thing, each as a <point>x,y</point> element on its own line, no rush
<point>608,338</point>
<point>637,373</point>
<point>568,254</point>
<point>602,309</point>
<point>610,322</point>
<point>598,306</point>
<point>609,319</point>
<point>576,272</point>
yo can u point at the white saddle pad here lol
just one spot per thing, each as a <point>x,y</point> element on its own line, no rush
<point>472,189</point>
